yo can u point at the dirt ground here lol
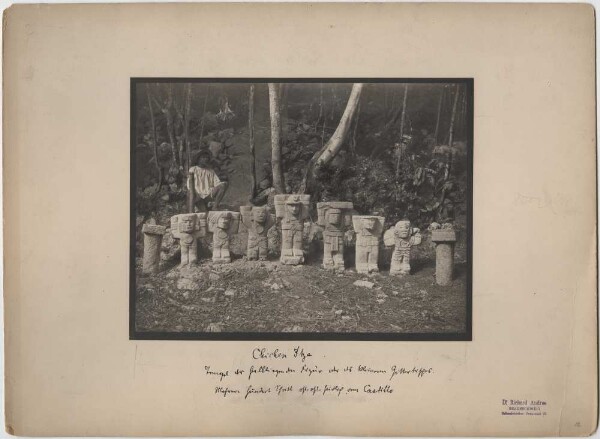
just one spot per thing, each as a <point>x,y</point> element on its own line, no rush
<point>269,297</point>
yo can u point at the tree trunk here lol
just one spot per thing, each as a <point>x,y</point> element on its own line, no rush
<point>320,109</point>
<point>203,116</point>
<point>451,134</point>
<point>251,140</point>
<point>186,124</point>
<point>399,157</point>
<point>439,113</point>
<point>154,146</point>
<point>274,107</point>
<point>453,116</point>
<point>353,143</point>
<point>167,110</point>
<point>334,144</point>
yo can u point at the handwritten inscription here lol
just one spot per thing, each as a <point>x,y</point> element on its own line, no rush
<point>297,372</point>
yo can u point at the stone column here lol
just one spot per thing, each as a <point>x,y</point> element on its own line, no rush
<point>153,235</point>
<point>444,255</point>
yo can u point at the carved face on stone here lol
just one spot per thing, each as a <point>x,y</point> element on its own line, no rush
<point>369,224</point>
<point>187,223</point>
<point>334,217</point>
<point>403,229</point>
<point>259,215</point>
<point>293,208</point>
<point>223,222</point>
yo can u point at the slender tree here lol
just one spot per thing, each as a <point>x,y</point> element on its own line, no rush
<point>186,123</point>
<point>154,145</point>
<point>275,110</point>
<point>203,117</point>
<point>168,112</point>
<point>439,113</point>
<point>251,139</point>
<point>450,153</point>
<point>334,144</point>
<point>453,117</point>
<point>402,119</point>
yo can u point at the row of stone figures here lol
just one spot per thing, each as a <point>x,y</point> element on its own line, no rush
<point>335,219</point>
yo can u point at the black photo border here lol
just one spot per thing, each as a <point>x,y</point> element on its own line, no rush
<point>302,336</point>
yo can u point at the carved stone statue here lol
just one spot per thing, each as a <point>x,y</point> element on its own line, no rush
<point>223,225</point>
<point>188,227</point>
<point>153,235</point>
<point>257,221</point>
<point>444,238</point>
<point>335,218</point>
<point>368,229</point>
<point>403,237</point>
<point>292,210</point>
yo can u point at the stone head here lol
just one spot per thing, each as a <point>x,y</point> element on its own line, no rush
<point>334,217</point>
<point>369,224</point>
<point>259,214</point>
<point>187,223</point>
<point>294,205</point>
<point>224,221</point>
<point>402,229</point>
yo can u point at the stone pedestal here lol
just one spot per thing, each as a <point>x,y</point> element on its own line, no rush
<point>153,235</point>
<point>444,255</point>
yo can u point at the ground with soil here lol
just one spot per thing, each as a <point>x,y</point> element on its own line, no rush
<point>249,296</point>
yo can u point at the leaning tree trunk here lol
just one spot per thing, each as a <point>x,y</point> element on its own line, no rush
<point>334,144</point>
<point>154,146</point>
<point>251,140</point>
<point>274,107</point>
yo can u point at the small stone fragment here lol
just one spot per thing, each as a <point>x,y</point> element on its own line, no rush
<point>214,327</point>
<point>364,283</point>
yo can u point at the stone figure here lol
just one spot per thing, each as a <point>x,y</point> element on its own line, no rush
<point>444,237</point>
<point>188,227</point>
<point>223,225</point>
<point>335,218</point>
<point>153,235</point>
<point>402,236</point>
<point>257,220</point>
<point>368,229</point>
<point>292,209</point>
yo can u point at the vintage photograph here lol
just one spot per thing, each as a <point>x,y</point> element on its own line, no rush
<point>301,209</point>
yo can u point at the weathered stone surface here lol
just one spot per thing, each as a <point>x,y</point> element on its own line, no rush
<point>402,236</point>
<point>223,225</point>
<point>444,255</point>
<point>443,235</point>
<point>335,219</point>
<point>188,227</point>
<point>368,229</point>
<point>292,209</point>
<point>153,235</point>
<point>257,221</point>
<point>364,283</point>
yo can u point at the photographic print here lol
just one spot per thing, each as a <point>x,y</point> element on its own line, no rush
<point>301,209</point>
